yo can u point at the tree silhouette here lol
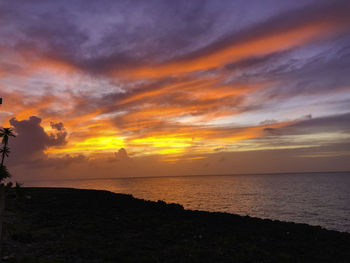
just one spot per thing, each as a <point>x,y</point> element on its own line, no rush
<point>5,151</point>
<point>4,173</point>
<point>5,133</point>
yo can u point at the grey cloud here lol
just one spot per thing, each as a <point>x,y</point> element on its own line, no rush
<point>9,68</point>
<point>151,33</point>
<point>122,155</point>
<point>58,126</point>
<point>322,73</point>
<point>32,140</point>
<point>340,123</point>
<point>56,163</point>
<point>268,122</point>
<point>57,30</point>
<point>337,11</point>
<point>59,138</point>
<point>308,125</point>
<point>255,61</point>
<point>272,131</point>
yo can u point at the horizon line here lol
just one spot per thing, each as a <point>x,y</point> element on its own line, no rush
<point>188,175</point>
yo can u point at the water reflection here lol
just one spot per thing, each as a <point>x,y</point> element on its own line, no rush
<point>317,199</point>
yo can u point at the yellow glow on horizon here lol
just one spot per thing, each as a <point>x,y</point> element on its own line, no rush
<point>103,142</point>
<point>170,151</point>
<point>91,145</point>
<point>171,144</point>
<point>164,141</point>
<point>183,158</point>
<point>192,141</point>
<point>196,158</point>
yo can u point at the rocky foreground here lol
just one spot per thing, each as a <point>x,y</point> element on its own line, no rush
<point>70,225</point>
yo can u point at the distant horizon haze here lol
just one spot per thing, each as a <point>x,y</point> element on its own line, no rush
<point>182,175</point>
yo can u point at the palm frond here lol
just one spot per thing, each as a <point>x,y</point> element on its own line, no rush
<point>5,150</point>
<point>4,173</point>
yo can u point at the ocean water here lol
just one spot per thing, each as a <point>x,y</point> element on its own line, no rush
<point>314,198</point>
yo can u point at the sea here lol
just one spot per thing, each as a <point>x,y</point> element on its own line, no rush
<point>321,199</point>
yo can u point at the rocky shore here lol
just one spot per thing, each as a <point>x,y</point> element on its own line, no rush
<point>71,225</point>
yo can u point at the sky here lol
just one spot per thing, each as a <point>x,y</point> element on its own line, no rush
<point>157,88</point>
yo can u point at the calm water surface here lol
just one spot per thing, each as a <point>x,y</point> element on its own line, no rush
<point>315,198</point>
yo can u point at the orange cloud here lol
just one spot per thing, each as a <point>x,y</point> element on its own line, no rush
<point>150,118</point>
<point>262,45</point>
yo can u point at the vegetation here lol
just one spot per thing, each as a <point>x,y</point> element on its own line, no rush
<point>4,173</point>
<point>70,225</point>
<point>5,133</point>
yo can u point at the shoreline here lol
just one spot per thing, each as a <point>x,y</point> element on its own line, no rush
<point>79,225</point>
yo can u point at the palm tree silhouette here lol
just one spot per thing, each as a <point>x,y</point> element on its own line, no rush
<point>5,133</point>
<point>4,152</point>
<point>4,173</point>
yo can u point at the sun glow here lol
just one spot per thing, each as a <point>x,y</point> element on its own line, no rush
<point>90,146</point>
<point>172,144</point>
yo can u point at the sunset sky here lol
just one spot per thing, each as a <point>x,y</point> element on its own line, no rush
<point>152,88</point>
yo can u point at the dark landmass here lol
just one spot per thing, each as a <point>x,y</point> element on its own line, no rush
<point>68,225</point>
